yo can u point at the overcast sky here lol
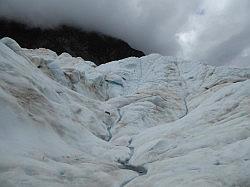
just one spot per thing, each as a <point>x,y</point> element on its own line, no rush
<point>214,31</point>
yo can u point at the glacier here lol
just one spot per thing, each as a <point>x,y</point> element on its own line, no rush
<point>150,121</point>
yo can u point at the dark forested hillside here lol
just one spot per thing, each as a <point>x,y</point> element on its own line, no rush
<point>91,46</point>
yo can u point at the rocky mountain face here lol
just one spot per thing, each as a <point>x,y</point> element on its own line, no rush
<point>90,46</point>
<point>150,121</point>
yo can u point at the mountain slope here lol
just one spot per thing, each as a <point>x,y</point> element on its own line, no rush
<point>149,121</point>
<point>96,47</point>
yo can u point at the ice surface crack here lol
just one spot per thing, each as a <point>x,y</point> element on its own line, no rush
<point>114,82</point>
<point>186,95</point>
<point>141,170</point>
<point>110,124</point>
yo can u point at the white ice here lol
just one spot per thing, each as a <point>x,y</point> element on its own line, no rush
<point>150,121</point>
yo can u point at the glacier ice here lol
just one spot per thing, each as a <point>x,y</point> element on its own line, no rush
<point>149,121</point>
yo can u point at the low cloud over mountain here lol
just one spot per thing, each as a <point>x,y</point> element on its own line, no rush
<point>209,30</point>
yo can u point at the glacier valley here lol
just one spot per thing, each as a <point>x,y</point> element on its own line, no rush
<point>137,122</point>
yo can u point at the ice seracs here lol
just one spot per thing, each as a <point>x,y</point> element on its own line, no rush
<point>149,121</point>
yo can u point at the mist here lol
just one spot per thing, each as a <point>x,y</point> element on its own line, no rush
<point>212,31</point>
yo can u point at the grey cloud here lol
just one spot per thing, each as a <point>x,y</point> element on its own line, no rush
<point>228,50</point>
<point>151,26</point>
